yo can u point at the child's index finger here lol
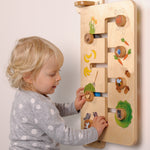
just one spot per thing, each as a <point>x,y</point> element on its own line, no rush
<point>80,89</point>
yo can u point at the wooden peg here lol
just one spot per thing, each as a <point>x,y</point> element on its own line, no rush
<point>95,78</point>
<point>88,38</point>
<point>120,83</point>
<point>120,20</point>
<point>120,51</point>
<point>87,123</point>
<point>121,114</point>
<point>84,3</point>
<point>89,96</point>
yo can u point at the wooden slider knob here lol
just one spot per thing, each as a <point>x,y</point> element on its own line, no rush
<point>89,96</point>
<point>120,20</point>
<point>87,123</point>
<point>88,38</point>
<point>121,114</point>
<point>120,83</point>
<point>120,51</point>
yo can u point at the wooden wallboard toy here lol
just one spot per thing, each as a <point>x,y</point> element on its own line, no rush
<point>109,68</point>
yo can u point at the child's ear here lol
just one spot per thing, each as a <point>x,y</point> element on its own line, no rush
<point>27,77</point>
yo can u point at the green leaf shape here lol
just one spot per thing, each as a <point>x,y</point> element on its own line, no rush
<point>89,87</point>
<point>115,57</point>
<point>129,51</point>
<point>92,28</point>
<point>127,107</point>
<point>123,40</point>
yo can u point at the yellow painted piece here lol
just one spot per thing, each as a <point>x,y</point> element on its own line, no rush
<point>94,52</point>
<point>87,72</point>
<point>87,57</point>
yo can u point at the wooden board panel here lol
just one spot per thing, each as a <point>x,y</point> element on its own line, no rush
<point>98,49</point>
<point>126,136</point>
<point>99,75</point>
<point>112,63</point>
<point>99,105</point>
<point>99,20</point>
<point>92,54</point>
<point>114,40</point>
<point>115,133</point>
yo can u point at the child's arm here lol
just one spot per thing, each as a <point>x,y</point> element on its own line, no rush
<point>54,126</point>
<point>66,109</point>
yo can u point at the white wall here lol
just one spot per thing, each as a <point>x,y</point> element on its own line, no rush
<point>59,22</point>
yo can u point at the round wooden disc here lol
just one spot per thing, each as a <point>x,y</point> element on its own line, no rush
<point>120,114</point>
<point>120,51</point>
<point>120,83</point>
<point>87,123</point>
<point>84,3</point>
<point>120,20</point>
<point>88,38</point>
<point>89,96</point>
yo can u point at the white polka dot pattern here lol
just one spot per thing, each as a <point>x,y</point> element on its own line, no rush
<point>24,120</point>
<point>50,127</point>
<point>52,111</point>
<point>33,117</point>
<point>34,131</point>
<point>15,143</point>
<point>32,100</point>
<point>34,144</point>
<point>65,129</point>
<point>38,107</point>
<point>24,137</point>
<point>35,121</point>
<point>20,106</point>
<point>47,146</point>
<point>80,135</point>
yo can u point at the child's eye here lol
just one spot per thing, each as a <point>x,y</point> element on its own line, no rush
<point>52,75</point>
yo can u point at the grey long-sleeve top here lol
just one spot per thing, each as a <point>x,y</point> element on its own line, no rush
<point>36,123</point>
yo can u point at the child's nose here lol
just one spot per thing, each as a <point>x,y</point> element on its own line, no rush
<point>58,77</point>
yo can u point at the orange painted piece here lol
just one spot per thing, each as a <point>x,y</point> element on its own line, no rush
<point>120,20</point>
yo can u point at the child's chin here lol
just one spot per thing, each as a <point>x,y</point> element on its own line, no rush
<point>52,91</point>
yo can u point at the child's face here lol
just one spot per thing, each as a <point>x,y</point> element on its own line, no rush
<point>48,77</point>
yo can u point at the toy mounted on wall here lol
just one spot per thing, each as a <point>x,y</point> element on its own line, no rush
<point>109,68</point>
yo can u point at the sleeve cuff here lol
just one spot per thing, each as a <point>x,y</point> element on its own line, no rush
<point>74,108</point>
<point>94,135</point>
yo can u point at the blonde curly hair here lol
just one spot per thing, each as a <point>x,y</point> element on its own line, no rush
<point>28,56</point>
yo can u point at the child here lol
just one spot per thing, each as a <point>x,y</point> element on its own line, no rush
<point>36,122</point>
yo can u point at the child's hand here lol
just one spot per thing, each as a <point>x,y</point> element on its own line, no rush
<point>80,99</point>
<point>100,124</point>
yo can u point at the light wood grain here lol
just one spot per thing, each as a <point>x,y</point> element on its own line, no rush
<point>103,21</point>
